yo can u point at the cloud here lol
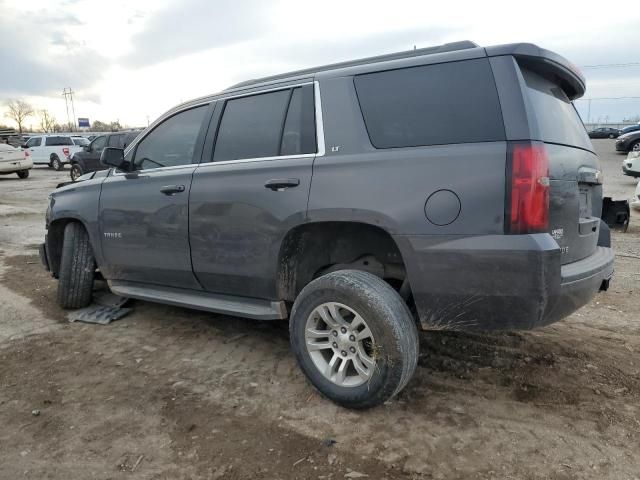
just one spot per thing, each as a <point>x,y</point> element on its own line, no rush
<point>191,26</point>
<point>41,58</point>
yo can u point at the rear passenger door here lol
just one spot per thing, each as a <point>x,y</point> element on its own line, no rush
<point>252,188</point>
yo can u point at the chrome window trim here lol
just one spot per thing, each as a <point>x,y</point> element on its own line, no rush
<point>319,130</point>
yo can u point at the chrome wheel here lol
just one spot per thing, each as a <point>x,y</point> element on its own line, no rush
<point>340,344</point>
<point>636,147</point>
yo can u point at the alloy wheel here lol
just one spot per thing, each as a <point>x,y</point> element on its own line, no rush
<point>340,344</point>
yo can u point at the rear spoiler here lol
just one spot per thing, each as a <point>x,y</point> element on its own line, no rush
<point>546,63</point>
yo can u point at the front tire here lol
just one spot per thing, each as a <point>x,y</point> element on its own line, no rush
<point>76,172</point>
<point>354,338</point>
<point>23,174</point>
<point>77,268</point>
<point>56,163</point>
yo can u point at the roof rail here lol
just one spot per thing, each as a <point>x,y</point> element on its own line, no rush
<point>447,47</point>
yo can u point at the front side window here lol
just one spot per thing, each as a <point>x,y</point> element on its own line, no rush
<point>34,142</point>
<point>267,125</point>
<point>98,144</point>
<point>172,142</point>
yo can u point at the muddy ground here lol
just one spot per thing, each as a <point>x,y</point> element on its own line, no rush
<point>176,394</point>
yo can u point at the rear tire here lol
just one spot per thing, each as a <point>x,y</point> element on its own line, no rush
<point>356,305</point>
<point>23,174</point>
<point>635,146</point>
<point>56,163</point>
<point>77,268</point>
<point>76,172</point>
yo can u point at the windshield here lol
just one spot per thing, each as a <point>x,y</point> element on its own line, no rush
<point>80,141</point>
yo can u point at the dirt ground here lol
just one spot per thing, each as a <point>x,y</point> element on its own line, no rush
<point>169,393</point>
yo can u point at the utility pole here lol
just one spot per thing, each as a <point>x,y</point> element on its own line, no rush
<point>66,104</point>
<point>589,111</point>
<point>69,93</point>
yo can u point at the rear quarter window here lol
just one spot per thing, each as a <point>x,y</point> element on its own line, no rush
<point>439,104</point>
<point>557,119</point>
<point>58,141</point>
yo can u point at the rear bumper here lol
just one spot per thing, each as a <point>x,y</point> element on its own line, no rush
<point>498,282</point>
<point>16,165</point>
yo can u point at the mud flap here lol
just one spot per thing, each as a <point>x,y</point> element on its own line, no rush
<point>616,213</point>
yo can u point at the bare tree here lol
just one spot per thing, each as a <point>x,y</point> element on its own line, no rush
<point>47,121</point>
<point>18,112</point>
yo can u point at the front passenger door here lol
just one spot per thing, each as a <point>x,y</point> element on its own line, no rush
<point>144,213</point>
<point>92,158</point>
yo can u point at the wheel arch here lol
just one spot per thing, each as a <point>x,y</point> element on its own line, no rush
<point>311,249</point>
<point>55,239</point>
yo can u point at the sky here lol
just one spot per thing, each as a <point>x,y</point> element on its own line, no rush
<point>132,60</point>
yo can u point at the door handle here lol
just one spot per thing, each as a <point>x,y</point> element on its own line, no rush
<point>278,184</point>
<point>172,189</point>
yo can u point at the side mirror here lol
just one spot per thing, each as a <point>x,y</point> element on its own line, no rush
<point>113,157</point>
<point>24,146</point>
<point>87,148</point>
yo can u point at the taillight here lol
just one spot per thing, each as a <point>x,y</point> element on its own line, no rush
<point>26,153</point>
<point>65,150</point>
<point>528,186</point>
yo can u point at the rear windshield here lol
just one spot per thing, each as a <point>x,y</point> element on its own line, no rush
<point>557,118</point>
<point>438,104</point>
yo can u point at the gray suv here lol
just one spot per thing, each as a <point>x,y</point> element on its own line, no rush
<point>453,187</point>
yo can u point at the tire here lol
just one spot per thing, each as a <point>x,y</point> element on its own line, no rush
<point>76,171</point>
<point>391,351</point>
<point>23,174</point>
<point>77,268</point>
<point>56,163</point>
<point>635,146</point>
<point>611,135</point>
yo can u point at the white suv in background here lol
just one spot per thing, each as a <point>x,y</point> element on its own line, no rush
<point>52,150</point>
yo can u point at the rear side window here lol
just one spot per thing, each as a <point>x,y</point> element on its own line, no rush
<point>453,102</point>
<point>558,121</point>
<point>115,141</point>
<point>267,125</point>
<point>58,141</point>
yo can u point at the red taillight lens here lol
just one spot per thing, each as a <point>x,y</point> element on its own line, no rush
<point>529,202</point>
<point>65,150</point>
<point>26,153</point>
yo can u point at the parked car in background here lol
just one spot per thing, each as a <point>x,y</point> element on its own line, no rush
<point>52,150</point>
<point>346,198</point>
<point>88,159</point>
<point>628,142</point>
<point>604,132</point>
<point>629,129</point>
<point>14,160</point>
<point>631,164</point>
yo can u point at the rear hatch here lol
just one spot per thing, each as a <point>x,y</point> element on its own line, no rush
<point>575,188</point>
